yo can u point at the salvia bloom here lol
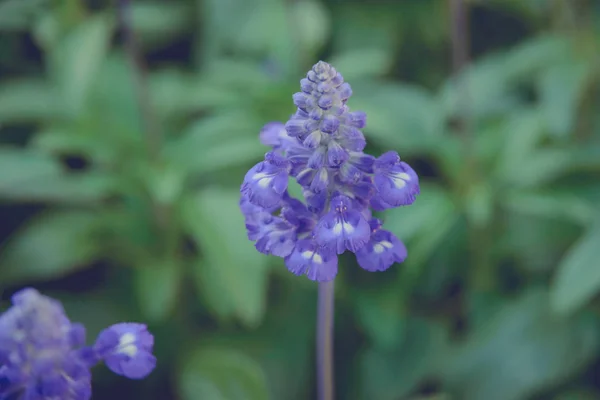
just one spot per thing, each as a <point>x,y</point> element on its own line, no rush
<point>43,355</point>
<point>321,146</point>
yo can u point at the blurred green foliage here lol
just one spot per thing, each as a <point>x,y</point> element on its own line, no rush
<point>498,298</point>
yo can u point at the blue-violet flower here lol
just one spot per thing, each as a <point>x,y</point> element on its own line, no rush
<point>43,355</point>
<point>321,146</point>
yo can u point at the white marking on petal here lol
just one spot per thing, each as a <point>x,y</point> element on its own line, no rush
<point>263,179</point>
<point>347,227</point>
<point>307,254</point>
<point>378,248</point>
<point>316,258</point>
<point>387,244</point>
<point>400,179</point>
<point>127,344</point>
<point>337,228</point>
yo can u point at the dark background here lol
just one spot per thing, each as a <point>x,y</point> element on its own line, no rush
<point>119,190</point>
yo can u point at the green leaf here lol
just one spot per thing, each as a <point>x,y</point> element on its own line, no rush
<point>158,23</point>
<point>232,270</point>
<point>521,133</point>
<point>27,101</point>
<point>561,87</point>
<point>390,375</point>
<point>399,116</point>
<point>424,224</point>
<point>311,23</point>
<point>35,176</point>
<point>362,26</point>
<point>521,349</point>
<point>363,63</point>
<point>49,246</point>
<point>16,15</point>
<point>551,204</point>
<point>76,60</point>
<point>222,374</point>
<point>578,276</point>
<point>157,287</point>
<point>380,312</point>
<point>489,84</point>
<point>217,142</point>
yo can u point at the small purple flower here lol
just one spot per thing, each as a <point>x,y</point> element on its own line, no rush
<point>308,258</point>
<point>396,182</point>
<point>126,349</point>
<point>321,146</point>
<point>42,353</point>
<point>382,250</point>
<point>342,228</point>
<point>266,182</point>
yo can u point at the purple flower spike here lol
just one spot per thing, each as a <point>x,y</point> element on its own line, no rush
<point>396,182</point>
<point>317,263</point>
<point>342,228</point>
<point>321,147</point>
<point>126,349</point>
<point>382,250</point>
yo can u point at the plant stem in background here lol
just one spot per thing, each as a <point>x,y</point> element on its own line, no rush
<point>152,133</point>
<point>325,381</point>
<point>149,121</point>
<point>481,278</point>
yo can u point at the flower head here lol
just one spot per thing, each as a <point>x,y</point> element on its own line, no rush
<point>42,353</point>
<point>321,147</point>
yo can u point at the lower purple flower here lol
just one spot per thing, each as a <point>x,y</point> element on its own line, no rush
<point>317,263</point>
<point>126,349</point>
<point>266,182</point>
<point>396,182</point>
<point>382,250</point>
<point>342,228</point>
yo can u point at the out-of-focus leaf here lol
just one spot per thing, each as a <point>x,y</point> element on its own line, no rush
<point>78,57</point>
<point>362,63</point>
<point>16,15</point>
<point>550,204</point>
<point>72,141</point>
<point>232,270</point>
<point>578,277</point>
<point>523,348</point>
<point>49,246</point>
<point>222,374</point>
<point>157,23</point>
<point>381,313</point>
<point>27,101</point>
<point>389,375</point>
<point>157,287</point>
<point>561,87</point>
<point>535,242</point>
<point>65,188</point>
<point>424,224</point>
<point>24,167</point>
<point>520,134</point>
<point>540,167</point>
<point>479,204</point>
<point>217,142</point>
<point>35,176</point>
<point>311,23</point>
<point>487,86</point>
<point>362,26</point>
<point>113,115</point>
<point>402,117</point>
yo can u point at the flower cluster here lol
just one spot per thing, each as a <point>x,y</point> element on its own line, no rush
<point>43,355</point>
<point>321,146</point>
